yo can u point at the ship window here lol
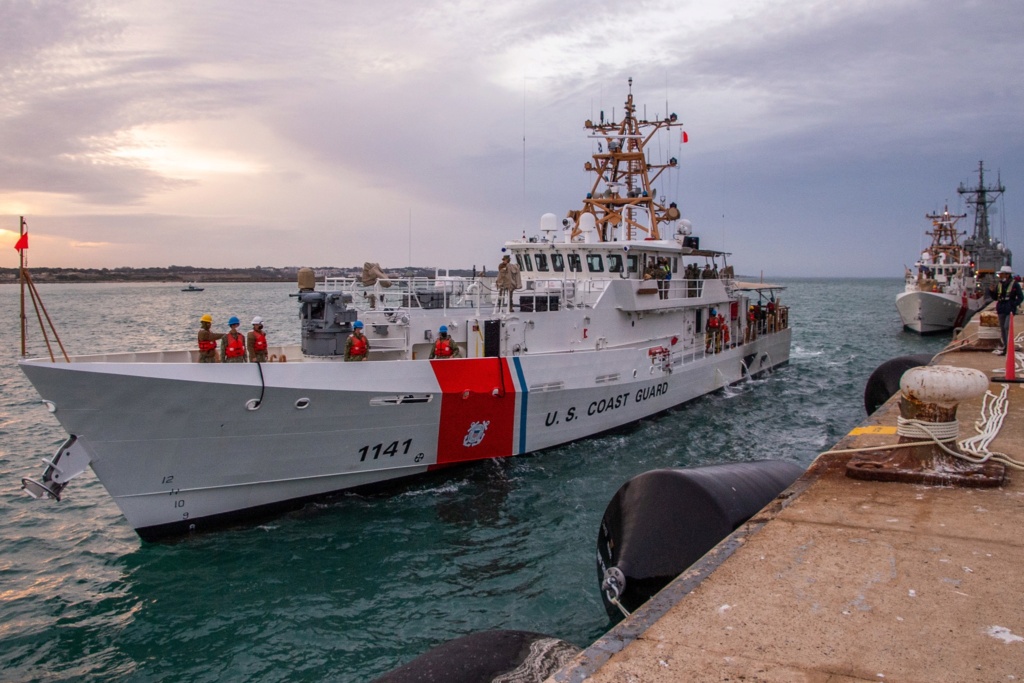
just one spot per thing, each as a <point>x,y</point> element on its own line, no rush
<point>633,263</point>
<point>542,262</point>
<point>528,261</point>
<point>675,265</point>
<point>595,264</point>
<point>557,263</point>
<point>614,263</point>
<point>575,265</point>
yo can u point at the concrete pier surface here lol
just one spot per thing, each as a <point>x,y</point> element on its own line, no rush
<point>847,580</point>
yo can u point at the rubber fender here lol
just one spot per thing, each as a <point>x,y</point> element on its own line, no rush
<point>519,656</point>
<point>884,382</point>
<point>661,522</point>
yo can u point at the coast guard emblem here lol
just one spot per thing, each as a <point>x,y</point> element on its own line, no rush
<point>475,434</point>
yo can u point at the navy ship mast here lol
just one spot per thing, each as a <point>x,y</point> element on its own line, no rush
<point>987,254</point>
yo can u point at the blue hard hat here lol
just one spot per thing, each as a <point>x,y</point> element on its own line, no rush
<point>233,320</point>
<point>358,324</point>
<point>443,329</point>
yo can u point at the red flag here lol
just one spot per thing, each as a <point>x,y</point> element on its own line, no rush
<point>684,137</point>
<point>22,242</point>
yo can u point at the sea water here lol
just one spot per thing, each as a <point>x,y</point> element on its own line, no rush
<point>347,590</point>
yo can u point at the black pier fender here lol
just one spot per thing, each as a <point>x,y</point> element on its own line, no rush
<point>483,657</point>
<point>884,382</point>
<point>660,522</point>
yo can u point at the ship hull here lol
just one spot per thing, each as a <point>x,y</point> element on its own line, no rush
<point>184,447</point>
<point>935,312</point>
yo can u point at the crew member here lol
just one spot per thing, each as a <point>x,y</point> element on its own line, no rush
<point>444,346</point>
<point>256,342</point>
<point>1008,297</point>
<point>357,346</point>
<point>663,275</point>
<point>208,340</point>
<point>508,280</point>
<point>711,330</point>
<point>232,344</point>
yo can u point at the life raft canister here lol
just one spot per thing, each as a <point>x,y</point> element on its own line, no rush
<point>235,346</point>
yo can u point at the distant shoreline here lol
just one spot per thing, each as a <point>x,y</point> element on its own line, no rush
<point>199,276</point>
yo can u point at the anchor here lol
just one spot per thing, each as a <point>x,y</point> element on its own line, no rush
<point>70,460</point>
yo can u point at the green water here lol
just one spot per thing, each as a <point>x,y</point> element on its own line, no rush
<point>350,589</point>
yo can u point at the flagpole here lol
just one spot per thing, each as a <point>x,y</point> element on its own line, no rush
<point>21,281</point>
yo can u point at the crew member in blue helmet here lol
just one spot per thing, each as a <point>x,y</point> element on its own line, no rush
<point>357,346</point>
<point>444,346</point>
<point>232,344</point>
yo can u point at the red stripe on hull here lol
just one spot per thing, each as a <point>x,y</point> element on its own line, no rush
<point>478,409</point>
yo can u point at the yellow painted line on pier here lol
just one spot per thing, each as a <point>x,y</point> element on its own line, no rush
<point>857,431</point>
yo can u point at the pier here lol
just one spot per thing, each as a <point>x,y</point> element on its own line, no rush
<point>841,579</point>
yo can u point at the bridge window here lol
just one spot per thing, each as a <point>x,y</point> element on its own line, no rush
<point>557,263</point>
<point>614,263</point>
<point>595,264</point>
<point>542,262</point>
<point>633,263</point>
<point>575,265</point>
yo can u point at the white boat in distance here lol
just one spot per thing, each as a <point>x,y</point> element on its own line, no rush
<point>597,338</point>
<point>940,292</point>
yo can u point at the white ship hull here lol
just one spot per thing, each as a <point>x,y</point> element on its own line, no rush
<point>934,312</point>
<point>178,450</point>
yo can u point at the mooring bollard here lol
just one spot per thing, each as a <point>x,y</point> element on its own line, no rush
<point>988,338</point>
<point>928,402</point>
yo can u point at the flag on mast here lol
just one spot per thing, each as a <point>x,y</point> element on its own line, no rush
<point>22,242</point>
<point>683,137</point>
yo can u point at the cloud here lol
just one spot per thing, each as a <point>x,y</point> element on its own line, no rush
<point>815,128</point>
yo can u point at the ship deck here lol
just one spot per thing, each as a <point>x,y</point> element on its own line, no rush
<point>847,580</point>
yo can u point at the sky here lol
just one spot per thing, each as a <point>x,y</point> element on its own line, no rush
<point>330,132</point>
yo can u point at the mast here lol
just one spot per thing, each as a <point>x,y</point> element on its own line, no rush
<point>945,238</point>
<point>21,283</point>
<point>622,196</point>
<point>987,254</point>
<point>981,197</point>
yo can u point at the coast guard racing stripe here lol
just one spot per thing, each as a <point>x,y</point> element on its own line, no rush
<point>478,409</point>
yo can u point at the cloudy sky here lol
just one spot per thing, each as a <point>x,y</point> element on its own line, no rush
<point>332,132</point>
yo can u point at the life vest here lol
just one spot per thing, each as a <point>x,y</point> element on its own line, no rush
<point>235,346</point>
<point>207,345</point>
<point>358,347</point>
<point>725,328</point>
<point>443,348</point>
<point>713,323</point>
<point>1004,289</point>
<point>259,341</point>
